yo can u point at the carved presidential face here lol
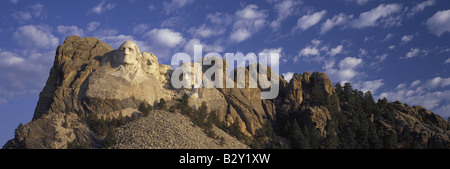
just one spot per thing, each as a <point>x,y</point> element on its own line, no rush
<point>130,53</point>
<point>150,64</point>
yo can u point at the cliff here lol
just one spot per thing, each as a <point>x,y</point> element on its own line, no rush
<point>97,97</point>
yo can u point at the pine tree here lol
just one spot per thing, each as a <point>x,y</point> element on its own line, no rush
<point>315,138</point>
<point>185,101</point>
<point>348,92</point>
<point>143,109</point>
<point>200,115</point>
<point>340,91</point>
<point>162,104</point>
<point>184,105</point>
<point>110,138</point>
<point>374,140</point>
<point>297,137</point>
<point>213,119</point>
<point>348,138</point>
<point>390,140</point>
<point>331,140</point>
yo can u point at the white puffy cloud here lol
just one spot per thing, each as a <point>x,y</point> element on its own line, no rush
<point>388,37</point>
<point>309,51</point>
<point>335,51</point>
<point>216,25</point>
<point>359,2</point>
<point>308,54</point>
<point>273,50</point>
<point>141,28</point>
<point>240,35</point>
<point>373,17</point>
<point>346,74</point>
<point>172,22</point>
<point>9,58</point>
<point>415,83</point>
<point>102,7</point>
<point>307,21</point>
<point>206,31</point>
<point>382,57</point>
<point>421,6</point>
<point>35,11</point>
<point>161,42</point>
<point>69,30</point>
<point>336,20</point>
<point>175,4</point>
<point>22,16</point>
<point>438,82</point>
<point>284,9</point>
<point>439,23</point>
<point>165,37</point>
<point>346,70</point>
<point>247,22</point>
<point>362,52</point>
<point>447,61</point>
<point>189,47</point>
<point>416,51</point>
<point>407,38</point>
<point>92,26</point>
<point>371,85</point>
<point>318,52</point>
<point>413,52</point>
<point>316,42</point>
<point>349,63</point>
<point>377,60</point>
<point>35,36</point>
<point>222,19</point>
<point>288,76</point>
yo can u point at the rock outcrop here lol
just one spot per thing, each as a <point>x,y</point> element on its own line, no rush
<point>428,128</point>
<point>302,93</point>
<point>90,78</point>
<point>243,105</point>
<point>75,60</point>
<point>53,131</point>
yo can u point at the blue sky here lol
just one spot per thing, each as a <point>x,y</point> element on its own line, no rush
<point>397,49</point>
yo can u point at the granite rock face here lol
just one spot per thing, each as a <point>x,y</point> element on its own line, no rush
<point>422,123</point>
<point>91,79</point>
<point>75,60</point>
